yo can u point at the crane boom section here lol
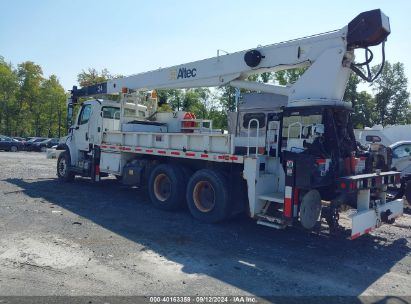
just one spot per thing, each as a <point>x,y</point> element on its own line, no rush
<point>329,57</point>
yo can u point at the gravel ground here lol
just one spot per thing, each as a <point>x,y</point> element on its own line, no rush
<point>107,239</point>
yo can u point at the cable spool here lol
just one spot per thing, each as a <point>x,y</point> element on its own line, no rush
<point>189,124</point>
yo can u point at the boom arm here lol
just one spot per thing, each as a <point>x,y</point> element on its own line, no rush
<point>329,55</point>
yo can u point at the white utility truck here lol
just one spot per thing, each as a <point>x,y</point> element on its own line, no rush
<point>383,135</point>
<point>289,157</point>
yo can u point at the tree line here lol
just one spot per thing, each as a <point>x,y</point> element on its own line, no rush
<point>32,105</point>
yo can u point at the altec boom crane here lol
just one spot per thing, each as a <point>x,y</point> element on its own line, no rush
<point>289,157</point>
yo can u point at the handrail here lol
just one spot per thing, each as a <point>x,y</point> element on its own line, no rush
<point>248,137</point>
<point>291,125</point>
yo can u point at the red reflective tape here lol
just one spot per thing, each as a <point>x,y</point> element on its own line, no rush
<point>97,170</point>
<point>368,230</point>
<point>321,161</point>
<point>112,147</point>
<point>104,147</point>
<point>221,157</point>
<point>190,154</point>
<point>175,153</point>
<point>149,151</point>
<point>287,207</point>
<point>161,151</point>
<point>126,149</point>
<point>233,157</point>
<point>138,149</point>
<point>204,155</point>
<point>354,236</point>
<point>295,196</point>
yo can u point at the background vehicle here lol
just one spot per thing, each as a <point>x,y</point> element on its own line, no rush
<point>282,157</point>
<point>43,145</point>
<point>28,145</point>
<point>383,135</point>
<point>401,161</point>
<point>10,144</point>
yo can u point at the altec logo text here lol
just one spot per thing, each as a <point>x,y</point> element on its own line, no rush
<point>183,73</point>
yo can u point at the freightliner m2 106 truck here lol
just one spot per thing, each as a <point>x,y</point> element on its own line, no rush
<point>289,157</point>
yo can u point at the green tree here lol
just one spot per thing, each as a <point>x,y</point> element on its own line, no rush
<point>172,97</point>
<point>8,90</point>
<point>29,103</point>
<point>54,106</point>
<point>92,76</point>
<point>192,103</point>
<point>290,76</point>
<point>391,95</point>
<point>364,110</point>
<point>361,105</point>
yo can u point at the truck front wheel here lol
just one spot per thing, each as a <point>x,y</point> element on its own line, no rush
<point>207,196</point>
<point>63,164</point>
<point>166,187</point>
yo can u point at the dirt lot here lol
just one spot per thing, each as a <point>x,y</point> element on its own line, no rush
<point>87,239</point>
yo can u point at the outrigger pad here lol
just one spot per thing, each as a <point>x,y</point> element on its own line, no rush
<point>368,29</point>
<point>365,221</point>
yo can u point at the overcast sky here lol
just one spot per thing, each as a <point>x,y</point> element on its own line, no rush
<point>129,37</point>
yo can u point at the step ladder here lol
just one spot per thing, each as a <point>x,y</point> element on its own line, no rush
<point>277,197</point>
<point>269,220</point>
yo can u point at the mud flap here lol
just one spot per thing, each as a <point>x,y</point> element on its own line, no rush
<point>365,221</point>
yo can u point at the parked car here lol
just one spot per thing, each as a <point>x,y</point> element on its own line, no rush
<point>401,161</point>
<point>43,145</point>
<point>28,145</point>
<point>21,139</point>
<point>10,144</point>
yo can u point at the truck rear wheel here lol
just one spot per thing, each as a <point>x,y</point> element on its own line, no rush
<point>207,196</point>
<point>63,164</point>
<point>310,209</point>
<point>166,186</point>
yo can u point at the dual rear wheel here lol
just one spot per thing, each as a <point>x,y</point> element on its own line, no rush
<point>205,192</point>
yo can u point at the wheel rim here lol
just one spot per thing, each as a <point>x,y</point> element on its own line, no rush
<point>162,187</point>
<point>13,149</point>
<point>62,167</point>
<point>310,209</point>
<point>204,196</point>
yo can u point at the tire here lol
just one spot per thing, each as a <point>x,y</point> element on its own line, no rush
<point>63,171</point>
<point>207,196</point>
<point>166,187</point>
<point>310,209</point>
<point>14,149</point>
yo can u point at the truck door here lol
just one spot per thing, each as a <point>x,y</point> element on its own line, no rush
<point>81,131</point>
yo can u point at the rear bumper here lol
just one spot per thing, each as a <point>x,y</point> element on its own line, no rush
<point>367,220</point>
